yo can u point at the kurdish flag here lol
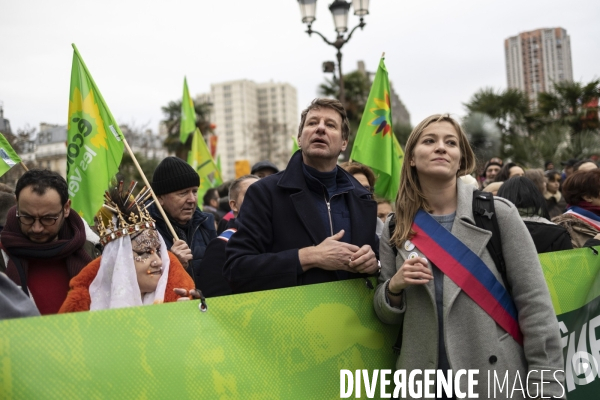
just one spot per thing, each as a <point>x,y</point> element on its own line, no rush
<point>188,115</point>
<point>9,157</point>
<point>94,143</point>
<point>200,159</point>
<point>376,145</point>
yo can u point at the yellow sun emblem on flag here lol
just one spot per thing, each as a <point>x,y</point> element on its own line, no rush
<point>88,109</point>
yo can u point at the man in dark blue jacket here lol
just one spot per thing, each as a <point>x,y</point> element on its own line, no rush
<point>312,222</point>
<point>176,186</point>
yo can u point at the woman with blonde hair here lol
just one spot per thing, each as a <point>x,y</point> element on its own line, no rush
<point>455,309</point>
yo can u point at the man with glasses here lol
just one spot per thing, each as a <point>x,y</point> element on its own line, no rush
<point>311,223</point>
<point>43,243</point>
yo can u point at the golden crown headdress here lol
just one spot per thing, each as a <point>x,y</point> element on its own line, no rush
<point>130,213</point>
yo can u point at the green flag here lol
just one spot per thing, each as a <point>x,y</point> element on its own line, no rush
<point>200,159</point>
<point>188,115</point>
<point>375,144</point>
<point>9,157</point>
<point>219,167</point>
<point>94,143</point>
<point>295,146</point>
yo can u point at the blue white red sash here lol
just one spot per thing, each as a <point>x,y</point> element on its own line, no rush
<point>585,215</point>
<point>226,234</point>
<point>467,270</point>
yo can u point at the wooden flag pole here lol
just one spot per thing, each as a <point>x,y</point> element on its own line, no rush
<point>24,166</point>
<point>162,212</point>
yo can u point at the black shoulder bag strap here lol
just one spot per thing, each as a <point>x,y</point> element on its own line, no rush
<point>485,218</point>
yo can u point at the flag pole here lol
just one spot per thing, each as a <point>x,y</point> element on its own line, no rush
<point>24,166</point>
<point>137,165</point>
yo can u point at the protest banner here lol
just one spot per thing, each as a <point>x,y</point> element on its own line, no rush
<point>277,344</point>
<point>285,343</point>
<point>573,278</point>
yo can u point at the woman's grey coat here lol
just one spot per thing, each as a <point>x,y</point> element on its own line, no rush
<point>473,339</point>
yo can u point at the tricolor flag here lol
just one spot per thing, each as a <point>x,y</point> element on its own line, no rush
<point>94,143</point>
<point>376,145</point>
<point>9,157</point>
<point>188,115</point>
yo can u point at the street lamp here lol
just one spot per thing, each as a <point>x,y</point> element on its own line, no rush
<point>339,10</point>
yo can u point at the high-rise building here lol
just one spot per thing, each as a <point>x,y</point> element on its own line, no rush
<point>254,121</point>
<point>537,59</point>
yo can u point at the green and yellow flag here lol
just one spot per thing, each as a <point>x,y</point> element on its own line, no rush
<point>8,155</point>
<point>200,159</point>
<point>295,146</point>
<point>94,143</point>
<point>188,115</point>
<point>219,167</point>
<point>376,145</point>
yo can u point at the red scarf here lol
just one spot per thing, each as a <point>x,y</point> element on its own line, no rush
<point>69,245</point>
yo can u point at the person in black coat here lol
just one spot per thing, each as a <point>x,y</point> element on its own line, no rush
<point>547,236</point>
<point>175,184</point>
<point>311,223</point>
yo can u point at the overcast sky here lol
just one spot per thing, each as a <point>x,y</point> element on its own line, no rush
<point>438,52</point>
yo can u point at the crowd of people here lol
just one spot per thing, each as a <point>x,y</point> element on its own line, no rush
<point>566,201</point>
<point>317,221</point>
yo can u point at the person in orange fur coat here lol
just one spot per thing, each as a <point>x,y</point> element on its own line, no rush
<point>135,268</point>
<point>79,299</point>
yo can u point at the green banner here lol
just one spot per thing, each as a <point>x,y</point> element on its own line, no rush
<point>277,344</point>
<point>288,343</point>
<point>573,278</point>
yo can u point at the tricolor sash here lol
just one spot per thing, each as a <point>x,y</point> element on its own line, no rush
<point>585,215</point>
<point>467,270</point>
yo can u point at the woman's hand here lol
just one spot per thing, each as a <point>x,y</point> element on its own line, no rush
<point>413,272</point>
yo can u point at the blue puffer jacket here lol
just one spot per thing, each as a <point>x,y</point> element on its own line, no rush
<point>200,232</point>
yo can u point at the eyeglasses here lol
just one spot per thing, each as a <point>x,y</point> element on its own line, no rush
<point>45,221</point>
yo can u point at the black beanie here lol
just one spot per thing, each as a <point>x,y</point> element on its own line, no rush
<point>173,174</point>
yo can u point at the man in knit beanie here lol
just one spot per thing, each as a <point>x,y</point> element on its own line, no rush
<point>176,186</point>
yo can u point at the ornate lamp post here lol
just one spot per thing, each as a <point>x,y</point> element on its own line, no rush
<point>339,10</point>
